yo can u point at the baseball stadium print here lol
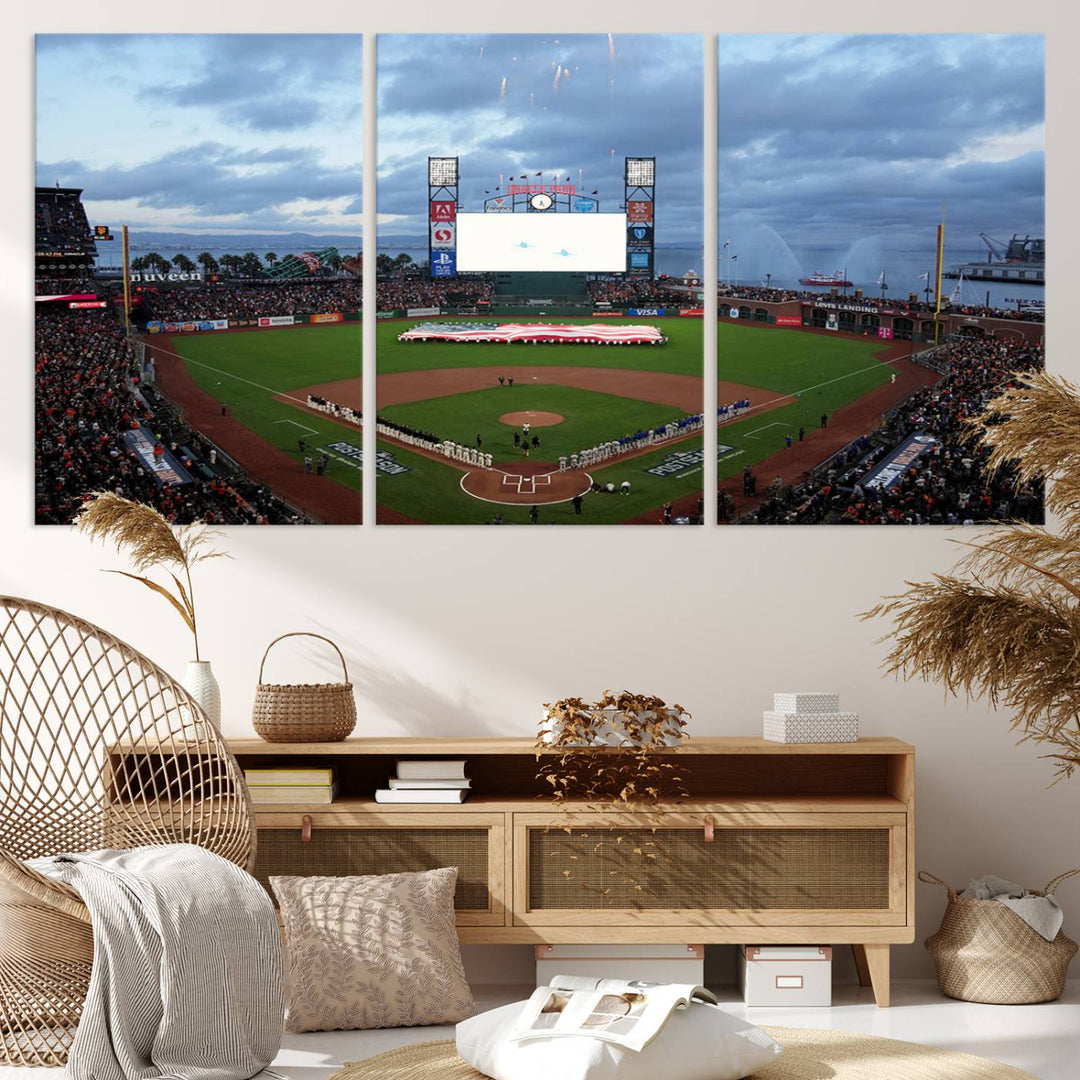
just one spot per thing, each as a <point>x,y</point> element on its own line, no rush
<point>198,276</point>
<point>881,273</point>
<point>539,342</point>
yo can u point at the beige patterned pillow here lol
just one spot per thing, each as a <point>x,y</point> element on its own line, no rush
<point>373,952</point>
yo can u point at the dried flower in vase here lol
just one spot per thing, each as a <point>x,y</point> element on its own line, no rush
<point>151,542</point>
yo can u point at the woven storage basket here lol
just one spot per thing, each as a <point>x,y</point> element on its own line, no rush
<point>985,952</point>
<point>304,712</point>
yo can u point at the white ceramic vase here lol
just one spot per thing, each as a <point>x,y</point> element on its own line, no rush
<point>200,683</point>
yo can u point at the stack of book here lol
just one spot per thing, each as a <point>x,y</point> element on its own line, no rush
<point>300,786</point>
<point>430,781</point>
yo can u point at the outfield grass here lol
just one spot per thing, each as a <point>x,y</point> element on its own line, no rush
<point>682,355</point>
<point>431,491</point>
<point>590,417</point>
<point>246,370</point>
<point>826,372</point>
<point>789,361</point>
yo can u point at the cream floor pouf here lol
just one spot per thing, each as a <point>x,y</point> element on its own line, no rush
<point>701,1042</point>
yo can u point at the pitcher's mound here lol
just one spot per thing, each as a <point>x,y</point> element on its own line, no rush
<point>532,418</point>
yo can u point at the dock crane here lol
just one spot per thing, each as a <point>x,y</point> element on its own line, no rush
<point>997,248</point>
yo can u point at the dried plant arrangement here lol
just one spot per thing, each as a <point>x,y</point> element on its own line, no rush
<point>615,754</point>
<point>1004,625</point>
<point>151,542</point>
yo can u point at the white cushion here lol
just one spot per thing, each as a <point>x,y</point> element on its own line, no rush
<point>698,1043</point>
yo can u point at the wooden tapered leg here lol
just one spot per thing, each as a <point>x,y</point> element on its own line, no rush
<point>861,965</point>
<point>875,958</point>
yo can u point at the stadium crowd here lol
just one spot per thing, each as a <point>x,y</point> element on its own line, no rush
<point>57,286</point>
<point>401,292</point>
<point>59,218</point>
<point>248,301</point>
<point>945,485</point>
<point>87,394</point>
<point>638,293</point>
<point>890,304</point>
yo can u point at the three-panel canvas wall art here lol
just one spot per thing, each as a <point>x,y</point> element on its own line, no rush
<point>543,286</point>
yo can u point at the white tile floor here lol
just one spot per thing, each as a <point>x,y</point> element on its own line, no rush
<point>1044,1039</point>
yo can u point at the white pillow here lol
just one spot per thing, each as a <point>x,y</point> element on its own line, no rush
<point>701,1042</point>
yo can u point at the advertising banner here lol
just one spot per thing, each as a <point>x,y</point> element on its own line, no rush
<point>165,469</point>
<point>385,314</point>
<point>443,234</point>
<point>170,277</point>
<point>830,322</point>
<point>328,317</point>
<point>692,311</point>
<point>733,312</point>
<point>582,204</point>
<point>87,303</point>
<point>65,296</point>
<point>640,260</point>
<point>639,234</point>
<point>600,314</point>
<point>789,320</point>
<point>277,320</point>
<point>443,210</point>
<point>884,331</point>
<point>648,311</point>
<point>499,204</point>
<point>155,326</point>
<point>886,474</point>
<point>639,210</point>
<point>443,264</point>
<point>415,311</point>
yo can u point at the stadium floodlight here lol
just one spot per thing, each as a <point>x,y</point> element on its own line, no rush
<point>442,171</point>
<point>640,171</point>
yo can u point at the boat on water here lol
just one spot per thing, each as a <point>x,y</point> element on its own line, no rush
<point>839,279</point>
<point>1020,262</point>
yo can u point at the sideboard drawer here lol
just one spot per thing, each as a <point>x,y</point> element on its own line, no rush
<point>705,869</point>
<point>347,844</point>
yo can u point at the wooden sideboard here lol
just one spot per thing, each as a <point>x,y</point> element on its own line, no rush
<point>776,843</point>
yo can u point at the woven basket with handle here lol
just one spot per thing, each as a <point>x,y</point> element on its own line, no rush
<point>304,712</point>
<point>985,952</point>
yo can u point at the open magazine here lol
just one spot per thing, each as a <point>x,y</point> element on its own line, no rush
<point>616,1010</point>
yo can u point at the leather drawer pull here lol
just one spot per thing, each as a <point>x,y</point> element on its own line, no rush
<point>709,835</point>
<point>305,829</point>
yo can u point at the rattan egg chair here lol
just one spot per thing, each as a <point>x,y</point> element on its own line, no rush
<point>99,748</point>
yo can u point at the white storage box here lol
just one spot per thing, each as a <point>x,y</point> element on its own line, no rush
<point>810,728</point>
<point>782,976</point>
<point>803,702</point>
<point>645,963</point>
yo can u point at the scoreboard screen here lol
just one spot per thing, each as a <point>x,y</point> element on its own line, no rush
<point>541,242</point>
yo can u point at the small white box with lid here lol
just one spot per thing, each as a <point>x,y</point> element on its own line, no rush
<point>805,717</point>
<point>781,976</point>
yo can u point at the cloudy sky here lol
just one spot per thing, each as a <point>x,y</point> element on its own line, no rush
<point>204,133</point>
<point>829,139</point>
<point>575,105</point>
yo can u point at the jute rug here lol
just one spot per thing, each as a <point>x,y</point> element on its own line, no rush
<point>808,1055</point>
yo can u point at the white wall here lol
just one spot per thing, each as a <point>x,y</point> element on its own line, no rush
<point>468,631</point>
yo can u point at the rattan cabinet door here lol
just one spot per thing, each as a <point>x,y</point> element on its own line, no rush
<point>710,869</point>
<point>344,844</point>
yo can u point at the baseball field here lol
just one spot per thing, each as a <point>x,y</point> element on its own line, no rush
<point>797,377</point>
<point>572,396</point>
<point>263,377</point>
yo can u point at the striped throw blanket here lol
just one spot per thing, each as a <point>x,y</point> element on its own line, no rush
<point>187,977</point>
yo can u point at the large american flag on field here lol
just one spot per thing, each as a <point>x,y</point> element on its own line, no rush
<point>539,333</point>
